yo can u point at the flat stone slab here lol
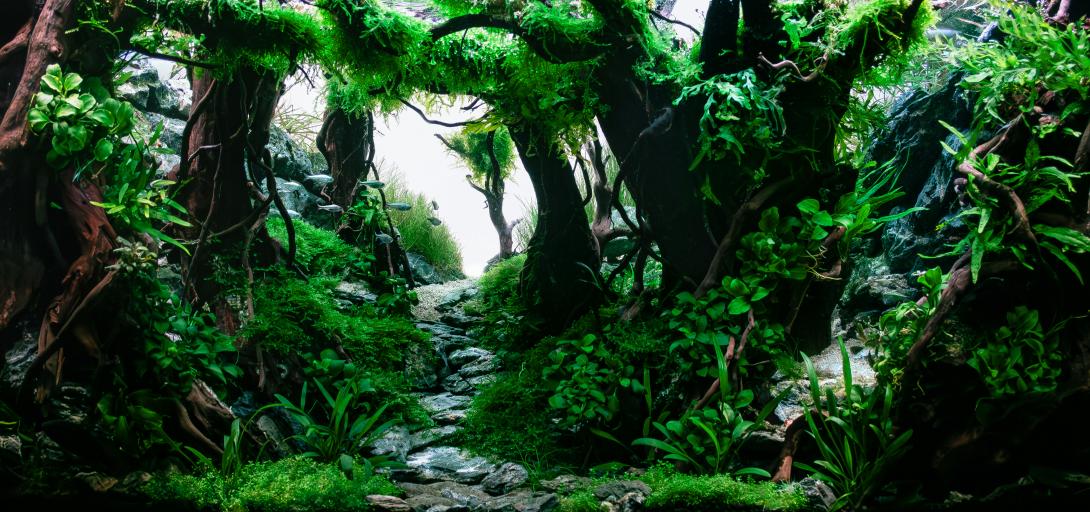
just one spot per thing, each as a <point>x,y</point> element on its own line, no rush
<point>444,402</point>
<point>447,463</point>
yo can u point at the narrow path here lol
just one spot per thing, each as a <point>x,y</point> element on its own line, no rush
<point>441,477</point>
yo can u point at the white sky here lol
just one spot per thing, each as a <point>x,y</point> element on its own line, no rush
<point>406,143</point>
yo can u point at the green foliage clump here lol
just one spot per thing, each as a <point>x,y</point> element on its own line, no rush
<point>88,129</point>
<point>672,491</point>
<point>296,316</point>
<point>873,30</point>
<point>588,378</point>
<point>233,34</point>
<point>321,252</point>
<point>293,484</point>
<point>1020,357</point>
<point>499,304</point>
<point>507,420</point>
<point>473,148</point>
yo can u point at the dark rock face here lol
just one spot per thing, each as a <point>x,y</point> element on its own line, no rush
<point>910,140</point>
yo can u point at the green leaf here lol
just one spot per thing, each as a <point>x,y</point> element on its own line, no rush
<point>809,206</point>
<point>738,306</point>
<point>72,82</point>
<point>103,150</point>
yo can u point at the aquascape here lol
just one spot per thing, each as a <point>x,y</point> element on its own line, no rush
<point>748,255</point>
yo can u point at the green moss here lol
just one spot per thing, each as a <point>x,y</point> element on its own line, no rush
<point>580,501</point>
<point>509,420</point>
<point>501,281</point>
<point>292,484</point>
<point>504,324</point>
<point>672,491</point>
<point>320,251</point>
<point>295,316</point>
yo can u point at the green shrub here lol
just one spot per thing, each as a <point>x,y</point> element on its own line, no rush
<point>292,484</point>
<point>671,491</point>
<point>580,501</point>
<point>499,305</point>
<point>419,233</point>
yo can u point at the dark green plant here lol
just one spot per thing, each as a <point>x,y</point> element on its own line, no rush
<point>707,441</point>
<point>588,379</point>
<point>899,327</point>
<point>1020,357</point>
<point>342,435</point>
<point>855,437</point>
<point>674,491</point>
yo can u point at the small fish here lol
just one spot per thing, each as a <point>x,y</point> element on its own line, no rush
<point>434,221</point>
<point>434,205</point>
<point>331,208</point>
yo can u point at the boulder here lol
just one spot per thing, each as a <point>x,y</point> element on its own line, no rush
<point>462,357</point>
<point>485,364</point>
<point>395,443</point>
<point>565,483</point>
<point>431,503</point>
<point>464,495</point>
<point>431,436</point>
<point>423,271</point>
<point>457,384</point>
<point>508,477</point>
<point>354,292</point>
<point>17,360</point>
<point>444,402</point>
<point>296,198</point>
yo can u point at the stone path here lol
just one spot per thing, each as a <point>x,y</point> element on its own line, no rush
<point>440,477</point>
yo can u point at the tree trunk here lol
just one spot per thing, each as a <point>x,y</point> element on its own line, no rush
<point>656,171</point>
<point>558,282</point>
<point>347,143</point>
<point>226,135</point>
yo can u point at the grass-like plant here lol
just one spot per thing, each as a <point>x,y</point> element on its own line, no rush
<point>856,437</point>
<point>421,231</point>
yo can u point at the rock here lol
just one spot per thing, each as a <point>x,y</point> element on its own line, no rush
<point>455,297</point>
<point>481,381</point>
<point>97,482</point>
<point>423,271</point>
<point>440,329</point>
<point>296,198</point>
<point>170,139</point>
<point>523,501</point>
<point>464,495</point>
<point>396,442</point>
<point>289,161</point>
<point>316,182</point>
<point>449,417</point>
<point>631,502</point>
<point>820,496</point>
<point>11,448</point>
<point>458,318</point>
<point>457,384</point>
<point>382,503</point>
<point>356,293</point>
<point>446,463</point>
<point>505,479</point>
<point>612,491</point>
<point>430,503</point>
<point>428,437</point>
<point>762,444</point>
<point>17,360</point>
<point>460,358</point>
<point>485,364</point>
<point>422,367</point>
<point>565,483</point>
<point>444,402</point>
